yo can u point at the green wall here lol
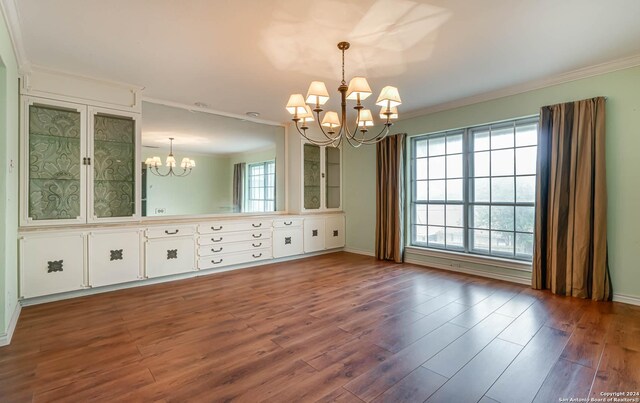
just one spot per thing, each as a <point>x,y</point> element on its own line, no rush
<point>623,147</point>
<point>8,179</point>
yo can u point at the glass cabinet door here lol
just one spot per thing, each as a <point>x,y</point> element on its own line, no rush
<point>312,176</point>
<point>55,176</point>
<point>332,180</point>
<point>114,163</point>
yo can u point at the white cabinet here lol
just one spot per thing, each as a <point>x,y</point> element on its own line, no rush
<point>287,239</point>
<point>172,255</point>
<point>232,242</point>
<point>114,257</point>
<point>314,234</point>
<point>51,264</point>
<point>321,178</point>
<point>334,231</point>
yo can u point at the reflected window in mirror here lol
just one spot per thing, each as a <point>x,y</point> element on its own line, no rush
<point>262,192</point>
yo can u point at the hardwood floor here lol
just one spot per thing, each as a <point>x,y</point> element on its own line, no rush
<point>337,327</point>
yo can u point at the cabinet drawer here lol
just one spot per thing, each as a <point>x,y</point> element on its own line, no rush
<point>170,231</point>
<point>233,226</point>
<point>287,242</point>
<point>211,250</point>
<point>288,222</point>
<point>51,264</point>
<point>114,257</point>
<point>313,234</point>
<point>214,239</point>
<point>170,256</point>
<point>212,262</point>
<point>334,232</point>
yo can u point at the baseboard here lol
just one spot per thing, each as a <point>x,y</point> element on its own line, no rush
<point>359,251</point>
<point>5,339</point>
<point>466,270</point>
<point>626,299</point>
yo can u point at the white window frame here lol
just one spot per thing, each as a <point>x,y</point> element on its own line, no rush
<point>248,199</point>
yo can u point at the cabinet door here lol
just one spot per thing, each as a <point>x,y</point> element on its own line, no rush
<point>334,236</point>
<point>287,242</point>
<point>54,178</point>
<point>115,171</point>
<point>313,234</point>
<point>312,171</point>
<point>51,264</point>
<point>333,176</point>
<point>170,256</point>
<point>114,257</point>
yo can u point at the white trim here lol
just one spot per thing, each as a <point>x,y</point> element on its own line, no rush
<point>475,272</point>
<point>359,251</point>
<point>626,299</point>
<point>5,338</point>
<point>573,75</point>
<point>12,19</point>
<point>212,111</point>
<point>469,258</point>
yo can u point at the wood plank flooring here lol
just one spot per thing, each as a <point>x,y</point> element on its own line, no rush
<point>337,327</point>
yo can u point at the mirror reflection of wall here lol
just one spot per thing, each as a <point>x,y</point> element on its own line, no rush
<point>239,165</point>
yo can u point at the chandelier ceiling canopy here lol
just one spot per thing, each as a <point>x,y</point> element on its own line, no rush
<point>154,164</point>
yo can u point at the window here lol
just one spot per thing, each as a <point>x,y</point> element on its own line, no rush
<point>261,189</point>
<point>473,190</point>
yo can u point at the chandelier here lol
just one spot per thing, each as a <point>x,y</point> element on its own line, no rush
<point>154,164</point>
<point>357,90</point>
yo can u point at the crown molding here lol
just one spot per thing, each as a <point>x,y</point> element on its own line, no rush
<point>12,19</point>
<point>573,75</point>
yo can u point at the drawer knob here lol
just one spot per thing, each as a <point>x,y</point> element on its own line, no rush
<point>257,256</point>
<point>54,266</point>
<point>216,240</point>
<point>172,254</point>
<point>335,232</point>
<point>287,240</point>
<point>256,236</point>
<point>216,261</point>
<point>216,228</point>
<point>288,222</point>
<point>115,254</point>
<point>314,232</point>
<point>256,245</point>
<point>216,250</point>
<point>256,226</point>
<point>171,232</point>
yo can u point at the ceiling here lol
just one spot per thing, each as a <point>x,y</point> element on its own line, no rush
<point>249,55</point>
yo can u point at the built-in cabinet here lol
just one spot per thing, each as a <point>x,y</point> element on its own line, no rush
<point>321,178</point>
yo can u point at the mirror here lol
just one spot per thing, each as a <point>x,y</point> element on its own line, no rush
<point>239,164</point>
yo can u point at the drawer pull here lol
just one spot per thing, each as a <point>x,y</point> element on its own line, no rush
<point>256,236</point>
<point>216,229</point>
<point>172,254</point>
<point>216,240</point>
<point>54,266</point>
<point>335,232</point>
<point>217,261</point>
<point>287,240</point>
<point>256,226</point>
<point>256,245</point>
<point>115,254</point>
<point>314,232</point>
<point>257,256</point>
<point>172,232</point>
<point>288,222</point>
<point>216,250</point>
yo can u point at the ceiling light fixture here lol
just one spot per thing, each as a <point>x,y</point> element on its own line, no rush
<point>154,163</point>
<point>357,90</point>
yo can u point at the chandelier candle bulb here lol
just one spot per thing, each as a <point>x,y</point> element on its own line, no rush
<point>391,113</point>
<point>331,120</point>
<point>359,89</point>
<point>317,94</point>
<point>365,119</point>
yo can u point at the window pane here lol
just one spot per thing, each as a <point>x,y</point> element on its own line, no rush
<point>454,144</point>
<point>454,190</point>
<point>436,168</point>
<point>527,135</point>
<point>422,168</point>
<point>480,140</point>
<point>502,137</point>
<point>479,240</point>
<point>436,190</point>
<point>421,233</point>
<point>524,245</point>
<point>502,190</point>
<point>454,166</point>
<point>481,192</point>
<point>436,236</point>
<point>526,189</point>
<point>421,148</point>
<point>421,190</point>
<point>502,162</point>
<point>525,219</point>
<point>502,243</point>
<point>436,214</point>
<point>502,218</point>
<point>421,214</point>
<point>455,215</point>
<point>455,237</point>
<point>436,146</point>
<point>481,164</point>
<point>479,217</point>
<point>526,161</point>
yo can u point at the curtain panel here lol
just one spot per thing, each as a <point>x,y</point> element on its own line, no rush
<point>238,186</point>
<point>570,254</point>
<point>390,167</point>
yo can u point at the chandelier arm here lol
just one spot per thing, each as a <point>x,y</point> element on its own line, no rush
<point>329,137</point>
<point>377,138</point>
<point>316,142</point>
